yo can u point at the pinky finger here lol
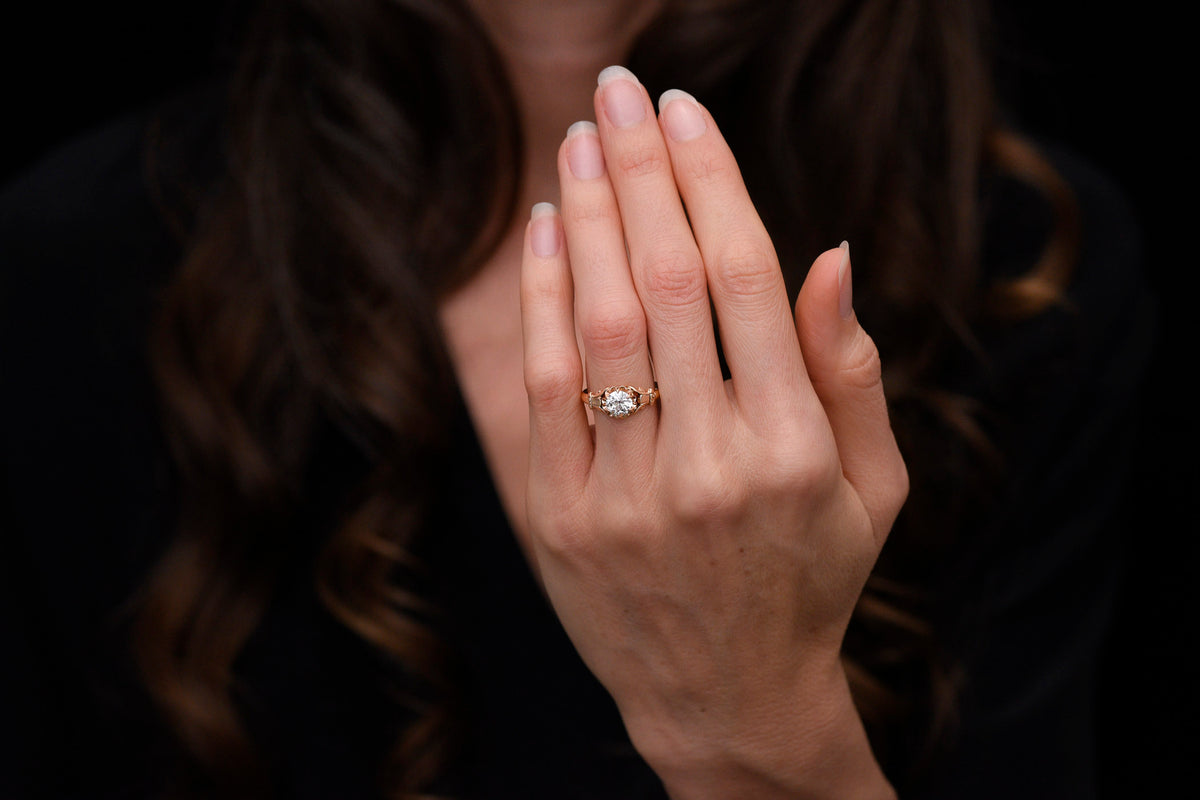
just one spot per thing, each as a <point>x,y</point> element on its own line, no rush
<point>560,444</point>
<point>843,364</point>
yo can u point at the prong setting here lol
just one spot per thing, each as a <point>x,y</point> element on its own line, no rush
<point>619,402</point>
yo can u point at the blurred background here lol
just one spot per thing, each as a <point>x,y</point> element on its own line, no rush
<point>1107,83</point>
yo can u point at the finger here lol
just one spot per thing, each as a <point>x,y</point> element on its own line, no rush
<point>607,310</point>
<point>665,262</point>
<point>744,279</point>
<point>560,446</point>
<point>843,364</point>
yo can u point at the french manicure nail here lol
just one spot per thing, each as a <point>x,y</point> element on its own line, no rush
<point>845,287</point>
<point>621,96</point>
<point>613,73</point>
<point>682,120</point>
<point>544,238</point>
<point>585,158</point>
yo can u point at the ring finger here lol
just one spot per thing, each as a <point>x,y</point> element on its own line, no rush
<point>608,312</point>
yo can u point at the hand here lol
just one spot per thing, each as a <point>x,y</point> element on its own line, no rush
<point>705,553</point>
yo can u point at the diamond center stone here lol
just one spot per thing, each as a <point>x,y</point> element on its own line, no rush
<point>618,403</point>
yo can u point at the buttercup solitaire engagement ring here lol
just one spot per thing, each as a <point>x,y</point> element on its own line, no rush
<point>620,401</point>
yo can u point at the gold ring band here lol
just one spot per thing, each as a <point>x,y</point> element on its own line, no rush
<point>620,401</point>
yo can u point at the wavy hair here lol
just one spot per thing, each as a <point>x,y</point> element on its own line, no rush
<point>359,191</point>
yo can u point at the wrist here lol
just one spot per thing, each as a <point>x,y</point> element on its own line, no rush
<point>809,744</point>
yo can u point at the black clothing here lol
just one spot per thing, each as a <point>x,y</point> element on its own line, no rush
<point>83,252</point>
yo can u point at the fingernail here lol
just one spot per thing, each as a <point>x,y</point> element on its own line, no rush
<point>682,120</point>
<point>845,287</point>
<point>584,156</point>
<point>622,97</point>
<point>544,237</point>
<point>614,72</point>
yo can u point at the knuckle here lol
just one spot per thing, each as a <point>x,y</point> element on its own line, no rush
<point>586,213</point>
<point>888,493</point>
<point>748,271</point>
<point>557,518</point>
<point>706,495</point>
<point>675,278</point>
<point>707,168</point>
<point>626,531</point>
<point>563,538</point>
<point>816,478</point>
<point>640,160</point>
<point>563,523</point>
<point>550,379</point>
<point>899,486</point>
<point>797,471</point>
<point>542,288</point>
<point>574,537</point>
<point>614,331</point>
<point>862,369</point>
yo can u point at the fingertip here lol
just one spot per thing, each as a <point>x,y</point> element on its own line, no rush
<point>615,72</point>
<point>542,209</point>
<point>666,97</point>
<point>681,115</point>
<point>831,263</point>
<point>581,127</point>
<point>820,300</point>
<point>545,232</point>
<point>621,96</point>
<point>583,153</point>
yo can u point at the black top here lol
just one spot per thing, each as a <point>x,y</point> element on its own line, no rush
<point>83,511</point>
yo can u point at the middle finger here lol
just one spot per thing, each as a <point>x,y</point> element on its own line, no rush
<point>663,256</point>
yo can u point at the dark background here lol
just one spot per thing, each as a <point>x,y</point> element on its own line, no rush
<point>1110,84</point>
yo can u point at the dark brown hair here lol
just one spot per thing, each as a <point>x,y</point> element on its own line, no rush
<point>359,191</point>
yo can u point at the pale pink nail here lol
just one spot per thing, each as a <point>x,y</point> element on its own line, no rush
<point>622,97</point>
<point>544,236</point>
<point>681,115</point>
<point>584,155</point>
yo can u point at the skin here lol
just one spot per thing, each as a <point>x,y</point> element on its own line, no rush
<point>705,554</point>
<point>553,52</point>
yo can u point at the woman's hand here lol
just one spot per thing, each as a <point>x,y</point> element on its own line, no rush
<point>704,553</point>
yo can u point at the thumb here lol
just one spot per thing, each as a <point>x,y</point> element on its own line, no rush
<point>843,364</point>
